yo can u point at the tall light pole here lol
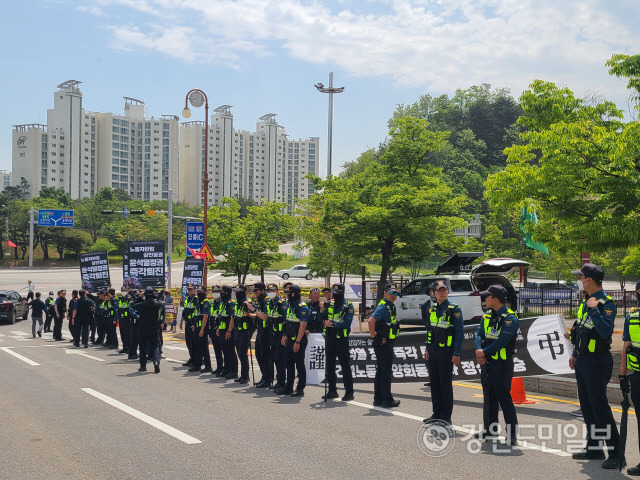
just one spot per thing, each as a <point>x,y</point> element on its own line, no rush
<point>331,90</point>
<point>197,98</point>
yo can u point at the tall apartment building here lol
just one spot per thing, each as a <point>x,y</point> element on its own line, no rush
<point>261,165</point>
<point>5,179</point>
<point>82,151</point>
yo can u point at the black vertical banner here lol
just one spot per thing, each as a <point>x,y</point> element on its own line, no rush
<point>192,272</point>
<point>143,264</point>
<point>94,271</point>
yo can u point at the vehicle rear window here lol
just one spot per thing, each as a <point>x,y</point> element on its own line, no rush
<point>461,285</point>
<point>413,288</point>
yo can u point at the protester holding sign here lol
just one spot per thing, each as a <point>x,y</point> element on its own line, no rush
<point>495,346</point>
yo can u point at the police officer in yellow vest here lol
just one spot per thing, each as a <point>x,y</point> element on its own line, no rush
<point>260,314</point>
<point>225,331</point>
<point>337,316</point>
<point>495,346</point>
<point>383,328</point>
<point>295,342</point>
<point>593,364</point>
<point>216,306</point>
<point>201,354</point>
<point>124,304</point>
<point>190,311</point>
<point>631,364</point>
<point>277,311</point>
<point>445,332</point>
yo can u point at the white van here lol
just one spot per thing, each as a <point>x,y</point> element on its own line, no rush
<point>465,284</point>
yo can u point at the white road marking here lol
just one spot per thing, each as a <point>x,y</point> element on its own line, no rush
<point>22,334</point>
<point>173,360</point>
<point>17,355</point>
<point>78,352</point>
<point>169,347</point>
<point>524,445</point>
<point>183,437</point>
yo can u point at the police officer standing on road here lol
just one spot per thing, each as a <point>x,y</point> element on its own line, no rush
<point>225,332</point>
<point>201,351</point>
<point>316,310</point>
<point>445,332</point>
<point>593,363</point>
<point>495,346</point>
<point>60,310</point>
<point>124,303</point>
<point>48,314</point>
<point>213,327</point>
<point>149,329</point>
<point>631,349</point>
<point>112,319</point>
<point>244,326</point>
<point>277,310</point>
<point>189,313</point>
<point>100,316</point>
<point>337,316</point>
<point>383,328</point>
<point>263,345</point>
<point>295,342</point>
<point>83,309</point>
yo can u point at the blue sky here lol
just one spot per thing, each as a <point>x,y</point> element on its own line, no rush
<point>264,57</point>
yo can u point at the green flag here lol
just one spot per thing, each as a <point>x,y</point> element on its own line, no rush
<point>524,216</point>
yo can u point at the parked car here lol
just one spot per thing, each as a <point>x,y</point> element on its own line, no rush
<point>465,284</point>
<point>297,271</point>
<point>12,306</point>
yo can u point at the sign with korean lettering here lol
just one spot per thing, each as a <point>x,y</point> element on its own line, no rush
<point>94,271</point>
<point>143,264</point>
<point>195,236</point>
<point>192,272</point>
<point>541,350</point>
<point>55,218</point>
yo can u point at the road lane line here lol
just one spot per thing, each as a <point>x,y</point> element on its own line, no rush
<point>173,360</point>
<point>17,355</point>
<point>183,437</point>
<point>170,347</point>
<point>70,351</point>
<point>524,445</point>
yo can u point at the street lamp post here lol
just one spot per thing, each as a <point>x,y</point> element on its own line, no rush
<point>197,98</point>
<point>331,90</point>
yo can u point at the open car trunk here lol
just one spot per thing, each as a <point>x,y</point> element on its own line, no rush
<point>494,271</point>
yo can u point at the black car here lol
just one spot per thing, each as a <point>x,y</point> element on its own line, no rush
<point>12,306</point>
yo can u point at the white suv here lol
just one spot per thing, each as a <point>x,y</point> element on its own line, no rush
<point>465,284</point>
<point>297,271</point>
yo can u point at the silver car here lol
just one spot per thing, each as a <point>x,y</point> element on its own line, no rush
<point>297,271</point>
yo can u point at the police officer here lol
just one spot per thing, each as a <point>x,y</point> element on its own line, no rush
<point>593,363</point>
<point>277,311</point>
<point>244,330</point>
<point>383,328</point>
<point>149,329</point>
<point>100,315</point>
<point>316,310</point>
<point>201,338</point>
<point>83,309</point>
<point>326,293</point>
<point>337,317</point>
<point>295,342</point>
<point>190,311</point>
<point>134,339</point>
<point>263,344</point>
<point>445,333</point>
<point>213,327</point>
<point>631,349</point>
<point>225,332</point>
<point>495,346</point>
<point>48,304</point>
<point>124,304</point>
<point>111,319</point>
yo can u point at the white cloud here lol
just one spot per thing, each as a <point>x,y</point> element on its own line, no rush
<point>421,42</point>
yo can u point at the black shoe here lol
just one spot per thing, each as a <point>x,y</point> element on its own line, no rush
<point>634,470</point>
<point>348,397</point>
<point>614,463</point>
<point>260,384</point>
<point>243,380</point>
<point>429,419</point>
<point>237,379</point>
<point>156,369</point>
<point>330,395</point>
<point>205,370</point>
<point>124,350</point>
<point>377,403</point>
<point>142,369</point>
<point>285,391</point>
<point>427,384</point>
<point>231,375</point>
<point>194,369</point>
<point>216,371</point>
<point>588,454</point>
<point>484,435</point>
<point>298,393</point>
<point>39,333</point>
<point>77,345</point>
<point>391,404</point>
<point>220,374</point>
<point>132,357</point>
<point>86,346</point>
<point>577,413</point>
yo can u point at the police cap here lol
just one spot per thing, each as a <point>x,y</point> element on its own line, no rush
<point>202,289</point>
<point>226,289</point>
<point>240,288</point>
<point>112,291</point>
<point>337,288</point>
<point>391,289</point>
<point>295,289</point>
<point>589,270</point>
<point>191,287</point>
<point>148,291</point>
<point>272,287</point>
<point>438,285</point>
<point>216,288</point>
<point>314,290</point>
<point>497,291</point>
<point>259,286</point>
<point>326,289</point>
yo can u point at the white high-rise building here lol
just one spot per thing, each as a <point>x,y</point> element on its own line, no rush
<point>5,179</point>
<point>260,165</point>
<point>82,151</point>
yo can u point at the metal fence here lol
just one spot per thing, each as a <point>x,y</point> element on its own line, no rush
<point>547,301</point>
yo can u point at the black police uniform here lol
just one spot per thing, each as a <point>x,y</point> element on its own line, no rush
<point>201,344</point>
<point>263,343</point>
<point>297,313</point>
<point>84,308</point>
<point>149,330</point>
<point>190,312</point>
<point>111,322</point>
<point>631,384</point>
<point>243,328</point>
<point>124,302</point>
<point>227,314</point>
<point>277,310</point>
<point>386,329</point>
<point>340,312</point>
<point>215,339</point>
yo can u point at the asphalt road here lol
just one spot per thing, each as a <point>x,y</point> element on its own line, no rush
<point>87,413</point>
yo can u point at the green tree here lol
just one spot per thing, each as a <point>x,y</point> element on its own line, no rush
<point>247,243</point>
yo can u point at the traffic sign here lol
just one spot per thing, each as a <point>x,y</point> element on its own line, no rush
<point>195,236</point>
<point>55,218</point>
<point>209,258</point>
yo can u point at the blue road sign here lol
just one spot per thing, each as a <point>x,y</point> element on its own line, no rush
<point>195,236</point>
<point>55,218</point>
